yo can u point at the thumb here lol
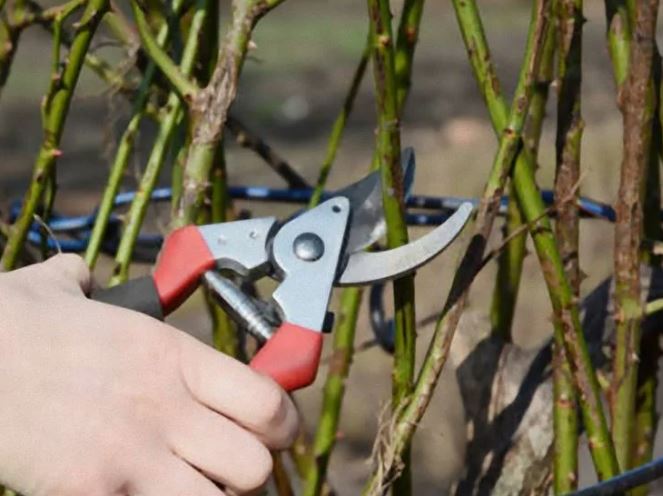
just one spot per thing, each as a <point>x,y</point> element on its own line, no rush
<point>68,269</point>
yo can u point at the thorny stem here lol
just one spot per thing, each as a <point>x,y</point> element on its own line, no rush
<point>620,21</point>
<point>510,262</point>
<point>224,332</point>
<point>334,389</point>
<point>646,415</point>
<point>567,176</point>
<point>388,154</point>
<point>343,347</point>
<point>50,188</point>
<point>412,412</point>
<point>408,35</point>
<point>344,332</point>
<point>172,114</point>
<point>178,78</point>
<point>209,106</point>
<point>638,115</point>
<point>15,17</point>
<point>55,111</point>
<point>567,322</point>
<point>9,35</point>
<point>124,150</point>
<point>339,125</point>
<point>101,68</point>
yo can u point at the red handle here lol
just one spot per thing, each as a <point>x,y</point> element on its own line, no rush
<point>291,356</point>
<point>183,259</point>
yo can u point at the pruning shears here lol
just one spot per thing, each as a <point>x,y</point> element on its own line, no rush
<point>309,254</point>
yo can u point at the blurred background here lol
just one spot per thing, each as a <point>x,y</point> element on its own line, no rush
<point>292,87</point>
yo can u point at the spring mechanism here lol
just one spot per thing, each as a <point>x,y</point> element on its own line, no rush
<point>239,306</point>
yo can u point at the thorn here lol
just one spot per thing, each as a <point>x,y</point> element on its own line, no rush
<point>252,45</point>
<point>56,152</point>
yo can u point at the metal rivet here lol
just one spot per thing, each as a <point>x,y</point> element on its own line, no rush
<point>308,247</point>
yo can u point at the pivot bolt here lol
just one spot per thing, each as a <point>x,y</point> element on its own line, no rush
<point>308,247</point>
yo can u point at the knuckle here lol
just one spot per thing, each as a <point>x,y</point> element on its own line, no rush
<point>288,433</point>
<point>273,406</point>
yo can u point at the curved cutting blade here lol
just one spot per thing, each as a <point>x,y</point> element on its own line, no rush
<point>367,224</point>
<point>369,267</point>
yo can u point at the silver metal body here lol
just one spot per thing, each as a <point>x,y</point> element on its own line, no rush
<point>240,246</point>
<point>305,290</point>
<point>307,251</point>
<point>369,267</point>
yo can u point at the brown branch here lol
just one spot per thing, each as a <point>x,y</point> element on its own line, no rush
<point>278,164</point>
<point>638,114</point>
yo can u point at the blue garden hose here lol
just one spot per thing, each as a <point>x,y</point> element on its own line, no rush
<point>77,229</point>
<point>72,233</point>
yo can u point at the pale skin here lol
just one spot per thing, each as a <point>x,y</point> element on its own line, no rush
<point>99,400</point>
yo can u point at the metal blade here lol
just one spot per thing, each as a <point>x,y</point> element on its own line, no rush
<point>367,224</point>
<point>369,267</point>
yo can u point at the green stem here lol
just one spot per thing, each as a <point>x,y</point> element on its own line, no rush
<point>224,332</point>
<point>408,35</point>
<point>388,157</point>
<point>619,38</point>
<point>180,143</point>
<point>50,188</point>
<point>119,25</point>
<point>209,106</point>
<point>172,114</point>
<point>411,412</point>
<point>178,78</point>
<point>646,416</point>
<point>510,262</point>
<point>56,111</point>
<point>124,151</point>
<point>334,389</point>
<point>568,331</point>
<point>344,332</point>
<point>9,36</point>
<point>620,21</point>
<point>338,128</point>
<point>638,114</point>
<point>653,307</point>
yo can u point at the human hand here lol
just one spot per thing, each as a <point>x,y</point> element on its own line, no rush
<point>99,400</point>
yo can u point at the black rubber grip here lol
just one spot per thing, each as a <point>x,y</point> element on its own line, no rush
<point>138,294</point>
